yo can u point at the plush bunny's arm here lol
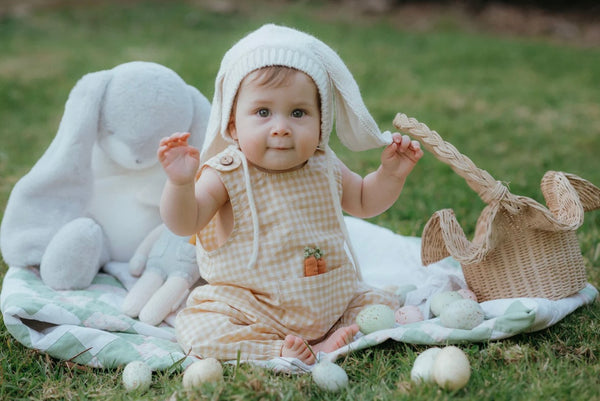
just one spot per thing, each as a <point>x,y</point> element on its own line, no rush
<point>137,264</point>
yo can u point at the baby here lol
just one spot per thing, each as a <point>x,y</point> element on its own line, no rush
<point>270,194</point>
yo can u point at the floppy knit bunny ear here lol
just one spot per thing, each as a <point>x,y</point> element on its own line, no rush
<point>213,140</point>
<point>57,188</point>
<point>200,118</point>
<point>355,126</point>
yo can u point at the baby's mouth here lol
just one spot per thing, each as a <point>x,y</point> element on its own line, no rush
<point>280,147</point>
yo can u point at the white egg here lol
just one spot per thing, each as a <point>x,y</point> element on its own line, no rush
<point>137,375</point>
<point>462,314</point>
<point>451,369</point>
<point>408,314</point>
<point>467,293</point>
<point>442,299</point>
<point>375,317</point>
<point>423,366</point>
<point>207,370</point>
<point>329,376</point>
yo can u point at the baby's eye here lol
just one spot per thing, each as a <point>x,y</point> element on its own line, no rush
<point>298,113</point>
<point>263,113</point>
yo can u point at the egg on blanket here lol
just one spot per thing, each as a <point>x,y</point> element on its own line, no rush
<point>137,375</point>
<point>375,317</point>
<point>442,299</point>
<point>467,293</point>
<point>422,367</point>
<point>408,314</point>
<point>462,314</point>
<point>207,370</point>
<point>329,376</point>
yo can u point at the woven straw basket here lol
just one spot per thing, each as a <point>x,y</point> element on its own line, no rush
<point>520,248</point>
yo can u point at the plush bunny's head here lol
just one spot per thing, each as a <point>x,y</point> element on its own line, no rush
<point>142,103</point>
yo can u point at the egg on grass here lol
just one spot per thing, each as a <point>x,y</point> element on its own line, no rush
<point>423,366</point>
<point>137,375</point>
<point>329,377</point>
<point>448,367</point>
<point>207,370</point>
<point>451,368</point>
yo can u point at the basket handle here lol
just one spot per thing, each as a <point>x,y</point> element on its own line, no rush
<point>479,180</point>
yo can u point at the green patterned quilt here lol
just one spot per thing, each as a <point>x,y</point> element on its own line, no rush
<point>87,326</point>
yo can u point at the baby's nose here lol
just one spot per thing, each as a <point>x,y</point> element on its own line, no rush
<point>280,127</point>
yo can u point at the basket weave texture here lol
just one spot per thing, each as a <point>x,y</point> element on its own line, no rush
<point>520,248</point>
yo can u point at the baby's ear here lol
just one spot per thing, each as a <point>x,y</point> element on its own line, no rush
<point>231,129</point>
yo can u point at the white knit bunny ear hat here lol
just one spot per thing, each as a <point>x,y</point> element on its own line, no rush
<point>273,45</point>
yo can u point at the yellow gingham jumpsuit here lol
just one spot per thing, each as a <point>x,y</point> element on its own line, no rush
<point>250,308</point>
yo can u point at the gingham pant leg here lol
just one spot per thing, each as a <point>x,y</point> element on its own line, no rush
<point>365,295</point>
<point>214,329</point>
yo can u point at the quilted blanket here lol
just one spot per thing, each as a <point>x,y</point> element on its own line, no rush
<point>87,326</point>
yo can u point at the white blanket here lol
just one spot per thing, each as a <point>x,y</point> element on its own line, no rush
<point>87,326</point>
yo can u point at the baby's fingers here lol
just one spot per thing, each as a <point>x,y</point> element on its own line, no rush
<point>403,142</point>
<point>415,150</point>
<point>177,139</point>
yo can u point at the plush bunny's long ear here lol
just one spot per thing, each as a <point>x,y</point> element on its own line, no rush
<point>58,187</point>
<point>200,119</point>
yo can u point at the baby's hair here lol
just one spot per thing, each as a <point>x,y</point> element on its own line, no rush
<point>274,75</point>
<point>271,76</point>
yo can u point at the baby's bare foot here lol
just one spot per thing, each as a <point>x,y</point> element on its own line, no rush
<point>295,347</point>
<point>338,339</point>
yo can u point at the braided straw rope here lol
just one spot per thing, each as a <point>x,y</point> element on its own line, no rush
<point>520,248</point>
<point>479,180</point>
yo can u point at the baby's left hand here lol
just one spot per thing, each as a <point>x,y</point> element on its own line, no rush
<point>401,155</point>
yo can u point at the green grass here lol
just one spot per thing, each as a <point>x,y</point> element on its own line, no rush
<point>516,107</point>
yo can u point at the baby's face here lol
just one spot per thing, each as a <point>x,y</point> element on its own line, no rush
<point>277,126</point>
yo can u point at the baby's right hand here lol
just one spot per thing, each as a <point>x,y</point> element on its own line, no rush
<point>179,160</point>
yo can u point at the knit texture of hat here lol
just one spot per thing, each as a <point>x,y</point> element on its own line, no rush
<point>273,45</point>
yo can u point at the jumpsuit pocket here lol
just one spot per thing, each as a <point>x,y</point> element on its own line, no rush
<point>310,306</point>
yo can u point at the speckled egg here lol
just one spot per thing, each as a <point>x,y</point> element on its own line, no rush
<point>442,299</point>
<point>463,314</point>
<point>137,375</point>
<point>408,314</point>
<point>467,294</point>
<point>374,318</point>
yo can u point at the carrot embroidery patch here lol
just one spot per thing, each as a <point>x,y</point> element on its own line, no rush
<point>313,262</point>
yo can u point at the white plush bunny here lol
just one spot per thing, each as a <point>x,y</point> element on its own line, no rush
<point>93,196</point>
